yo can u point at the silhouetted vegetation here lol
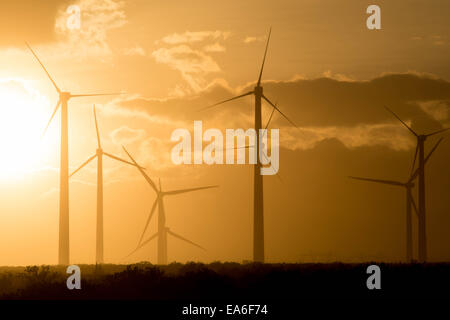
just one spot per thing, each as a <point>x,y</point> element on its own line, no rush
<point>226,281</point>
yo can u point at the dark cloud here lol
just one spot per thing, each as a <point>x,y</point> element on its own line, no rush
<point>28,20</point>
<point>329,102</point>
<point>321,102</point>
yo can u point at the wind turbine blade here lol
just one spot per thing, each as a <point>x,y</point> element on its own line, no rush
<point>264,59</point>
<point>84,164</point>
<point>173,192</point>
<point>95,95</point>
<point>390,182</point>
<point>432,150</point>
<point>276,108</point>
<point>436,132</point>
<point>42,65</point>
<point>413,202</point>
<point>270,118</point>
<point>184,239</point>
<point>143,244</point>
<point>51,118</point>
<point>119,159</point>
<point>96,129</point>
<point>224,101</point>
<point>237,148</point>
<point>415,157</point>
<point>148,221</point>
<point>416,173</point>
<point>150,181</point>
<point>398,118</point>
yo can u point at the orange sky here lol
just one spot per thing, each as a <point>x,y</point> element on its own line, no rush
<point>329,73</point>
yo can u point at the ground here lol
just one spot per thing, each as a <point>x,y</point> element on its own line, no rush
<point>227,282</point>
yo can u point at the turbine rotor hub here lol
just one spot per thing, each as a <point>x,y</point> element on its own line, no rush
<point>65,95</point>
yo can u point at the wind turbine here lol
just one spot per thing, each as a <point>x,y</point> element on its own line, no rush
<point>99,155</point>
<point>64,97</point>
<point>408,185</point>
<point>258,203</point>
<point>420,148</point>
<point>163,231</point>
<point>253,146</point>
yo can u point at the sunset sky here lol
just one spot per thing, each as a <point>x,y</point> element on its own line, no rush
<point>324,68</point>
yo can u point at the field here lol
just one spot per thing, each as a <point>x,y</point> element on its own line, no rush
<point>226,282</point>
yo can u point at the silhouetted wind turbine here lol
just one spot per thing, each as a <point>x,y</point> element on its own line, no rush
<point>163,231</point>
<point>64,97</point>
<point>99,155</point>
<point>253,146</point>
<point>408,185</point>
<point>258,203</point>
<point>420,148</point>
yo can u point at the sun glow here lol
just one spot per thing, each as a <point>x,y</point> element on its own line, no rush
<point>23,115</point>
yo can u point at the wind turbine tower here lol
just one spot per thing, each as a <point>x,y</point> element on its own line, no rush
<point>408,185</point>
<point>258,199</point>
<point>420,148</point>
<point>64,97</point>
<point>99,258</point>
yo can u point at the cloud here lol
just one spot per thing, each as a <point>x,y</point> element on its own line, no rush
<point>439,109</point>
<point>389,135</point>
<point>438,40</point>
<point>193,65</point>
<point>249,39</point>
<point>98,17</point>
<point>125,135</point>
<point>189,53</point>
<point>216,47</point>
<point>155,153</point>
<point>336,76</point>
<point>332,102</point>
<point>350,111</point>
<point>134,51</point>
<point>197,36</point>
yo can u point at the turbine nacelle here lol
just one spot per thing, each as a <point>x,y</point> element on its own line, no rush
<point>409,185</point>
<point>257,91</point>
<point>99,151</point>
<point>65,96</point>
<point>422,137</point>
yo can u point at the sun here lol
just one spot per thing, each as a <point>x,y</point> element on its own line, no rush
<point>23,115</point>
